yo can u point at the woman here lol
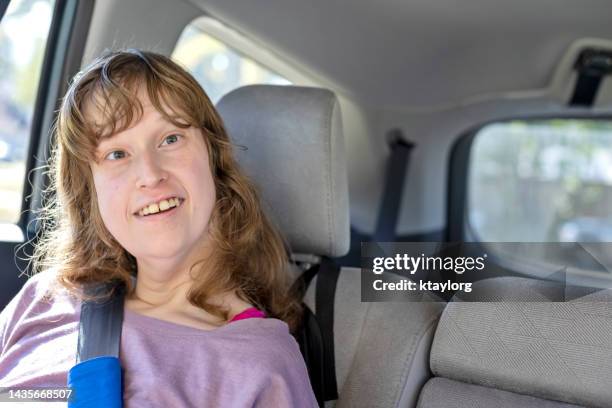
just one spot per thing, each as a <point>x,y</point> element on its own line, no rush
<point>149,195</point>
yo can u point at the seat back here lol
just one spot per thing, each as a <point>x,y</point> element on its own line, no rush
<point>508,345</point>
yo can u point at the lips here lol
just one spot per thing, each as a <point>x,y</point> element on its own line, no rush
<point>160,206</point>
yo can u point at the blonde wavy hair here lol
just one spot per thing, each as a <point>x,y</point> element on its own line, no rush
<point>249,255</point>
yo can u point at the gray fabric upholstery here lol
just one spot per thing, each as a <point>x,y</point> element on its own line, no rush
<point>382,348</point>
<point>512,289</point>
<point>445,393</point>
<point>295,154</point>
<point>558,351</point>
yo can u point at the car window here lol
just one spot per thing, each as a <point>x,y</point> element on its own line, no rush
<point>544,181</point>
<point>217,67</point>
<point>23,34</point>
<point>541,181</point>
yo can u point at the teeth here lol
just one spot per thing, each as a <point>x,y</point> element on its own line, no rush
<point>163,205</point>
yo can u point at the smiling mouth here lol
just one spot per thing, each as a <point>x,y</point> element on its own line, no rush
<point>160,207</point>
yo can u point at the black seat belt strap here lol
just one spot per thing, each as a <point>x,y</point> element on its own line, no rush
<point>316,336</point>
<point>309,337</point>
<point>394,186</point>
<point>327,280</point>
<point>100,323</point>
<point>592,66</point>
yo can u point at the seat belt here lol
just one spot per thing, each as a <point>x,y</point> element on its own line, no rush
<point>100,324</point>
<point>316,334</point>
<point>394,186</point>
<point>96,378</point>
<point>592,66</point>
<point>325,296</point>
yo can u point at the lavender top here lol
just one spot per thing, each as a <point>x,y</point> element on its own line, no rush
<point>246,363</point>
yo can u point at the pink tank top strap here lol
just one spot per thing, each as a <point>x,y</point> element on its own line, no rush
<point>250,313</point>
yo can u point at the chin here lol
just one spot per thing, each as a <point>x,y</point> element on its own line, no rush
<point>163,251</point>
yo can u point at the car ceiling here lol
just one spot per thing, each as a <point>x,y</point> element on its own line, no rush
<point>420,53</point>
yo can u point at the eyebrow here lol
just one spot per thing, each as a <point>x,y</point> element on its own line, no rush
<point>164,126</point>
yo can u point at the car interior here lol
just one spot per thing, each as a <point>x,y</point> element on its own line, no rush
<point>414,122</point>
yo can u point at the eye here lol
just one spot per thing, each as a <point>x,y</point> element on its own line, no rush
<point>171,139</point>
<point>115,155</point>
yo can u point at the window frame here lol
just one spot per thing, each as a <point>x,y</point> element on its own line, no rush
<point>3,7</point>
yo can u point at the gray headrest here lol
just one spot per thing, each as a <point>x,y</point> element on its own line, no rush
<point>295,155</point>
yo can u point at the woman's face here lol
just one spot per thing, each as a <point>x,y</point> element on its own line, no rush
<point>155,188</point>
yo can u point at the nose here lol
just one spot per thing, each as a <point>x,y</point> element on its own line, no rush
<point>150,171</point>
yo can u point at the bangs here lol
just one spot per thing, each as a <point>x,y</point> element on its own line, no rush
<point>116,106</point>
<point>108,99</point>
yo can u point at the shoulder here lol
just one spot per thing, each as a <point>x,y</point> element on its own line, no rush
<point>284,376</point>
<point>45,287</point>
<point>38,334</point>
<point>41,298</point>
<point>37,288</point>
<point>271,343</point>
<point>42,283</point>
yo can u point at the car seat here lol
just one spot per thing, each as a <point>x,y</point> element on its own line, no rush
<point>293,148</point>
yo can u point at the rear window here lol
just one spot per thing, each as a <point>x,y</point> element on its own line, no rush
<point>541,181</point>
<point>216,66</point>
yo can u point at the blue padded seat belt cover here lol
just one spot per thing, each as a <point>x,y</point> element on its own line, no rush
<point>96,379</point>
<point>96,383</point>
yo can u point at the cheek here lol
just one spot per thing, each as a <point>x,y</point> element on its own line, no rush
<point>203,186</point>
<point>110,202</point>
<point>206,185</point>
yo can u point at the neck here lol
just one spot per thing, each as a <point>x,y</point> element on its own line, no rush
<point>161,289</point>
<point>163,283</point>
<point>162,294</point>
